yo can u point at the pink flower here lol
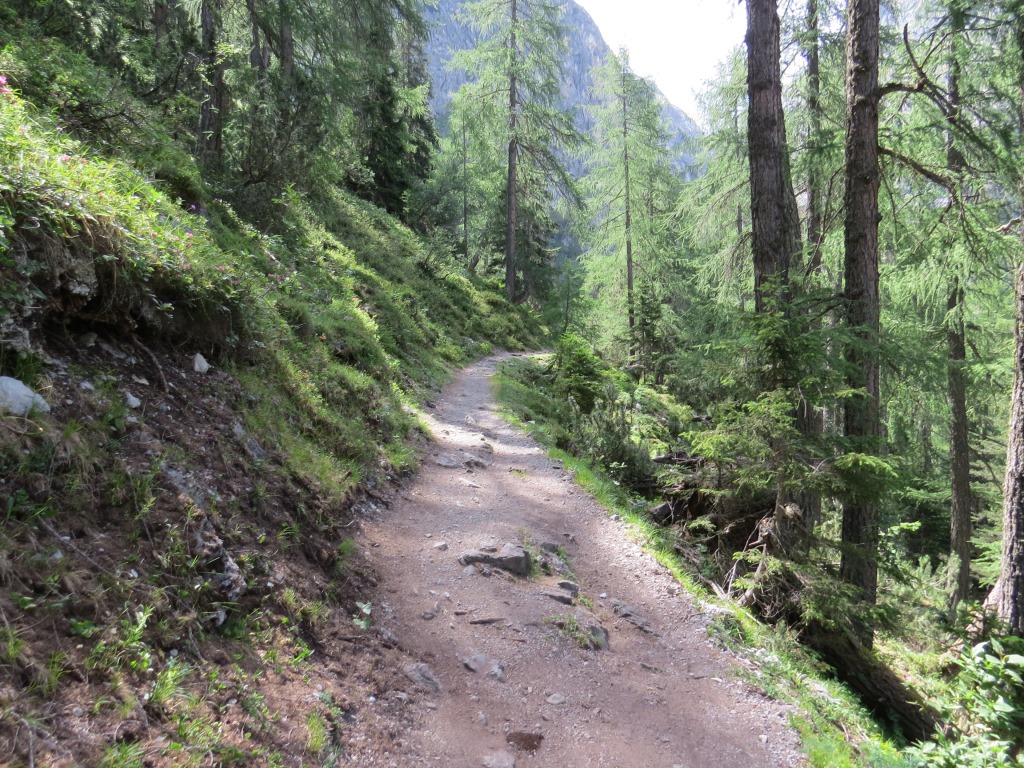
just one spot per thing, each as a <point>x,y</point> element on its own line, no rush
<point>64,158</point>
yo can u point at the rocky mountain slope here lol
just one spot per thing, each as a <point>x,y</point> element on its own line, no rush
<point>587,49</point>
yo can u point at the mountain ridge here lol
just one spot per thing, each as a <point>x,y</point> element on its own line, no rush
<point>587,49</point>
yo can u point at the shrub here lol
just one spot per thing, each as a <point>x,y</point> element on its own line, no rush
<point>986,703</point>
<point>578,372</point>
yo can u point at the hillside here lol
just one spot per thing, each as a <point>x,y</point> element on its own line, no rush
<point>210,407</point>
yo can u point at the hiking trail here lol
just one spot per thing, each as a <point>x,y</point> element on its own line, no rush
<point>499,675</point>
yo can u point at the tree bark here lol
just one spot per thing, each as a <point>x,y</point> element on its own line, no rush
<point>812,54</point>
<point>775,219</point>
<point>214,106</point>
<point>959,450</point>
<point>513,156</point>
<point>810,420</point>
<point>1006,599</point>
<point>859,565</point>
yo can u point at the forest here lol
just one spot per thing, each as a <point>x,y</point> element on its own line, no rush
<point>792,346</point>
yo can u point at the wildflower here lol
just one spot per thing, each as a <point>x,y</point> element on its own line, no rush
<point>63,158</point>
<point>222,269</point>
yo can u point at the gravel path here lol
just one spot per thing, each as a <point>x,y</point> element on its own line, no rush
<point>660,695</point>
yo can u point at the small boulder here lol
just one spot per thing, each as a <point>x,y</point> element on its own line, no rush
<point>629,613</point>
<point>199,364</point>
<point>478,662</point>
<point>512,558</point>
<point>560,597</point>
<point>18,400</point>
<point>570,586</point>
<point>422,677</point>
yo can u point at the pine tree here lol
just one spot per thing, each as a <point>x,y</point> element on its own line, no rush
<point>628,186</point>
<point>517,67</point>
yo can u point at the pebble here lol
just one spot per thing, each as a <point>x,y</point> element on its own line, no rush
<point>556,699</point>
<point>131,400</point>
<point>499,760</point>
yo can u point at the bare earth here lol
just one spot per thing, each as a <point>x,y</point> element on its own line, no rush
<point>662,697</point>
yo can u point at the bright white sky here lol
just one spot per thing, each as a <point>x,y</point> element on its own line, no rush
<point>679,43</point>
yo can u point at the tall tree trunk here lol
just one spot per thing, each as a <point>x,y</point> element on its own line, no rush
<point>812,55</point>
<point>1006,599</point>
<point>810,420</point>
<point>956,378</point>
<point>287,38</point>
<point>630,302</point>
<point>214,106</point>
<point>513,157</point>
<point>465,199</point>
<point>859,565</point>
<point>259,56</point>
<point>959,449</point>
<point>775,220</point>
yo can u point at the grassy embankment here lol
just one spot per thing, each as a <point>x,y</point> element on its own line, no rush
<point>122,640</point>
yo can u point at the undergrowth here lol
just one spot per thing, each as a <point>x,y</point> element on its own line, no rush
<point>834,728</point>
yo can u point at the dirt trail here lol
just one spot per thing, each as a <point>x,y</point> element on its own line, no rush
<point>661,697</point>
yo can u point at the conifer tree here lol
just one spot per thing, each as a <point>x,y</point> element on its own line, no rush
<point>628,188</point>
<point>517,68</point>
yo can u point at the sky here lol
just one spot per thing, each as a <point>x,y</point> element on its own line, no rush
<point>679,43</point>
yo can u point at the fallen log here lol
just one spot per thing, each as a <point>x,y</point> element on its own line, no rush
<point>878,687</point>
